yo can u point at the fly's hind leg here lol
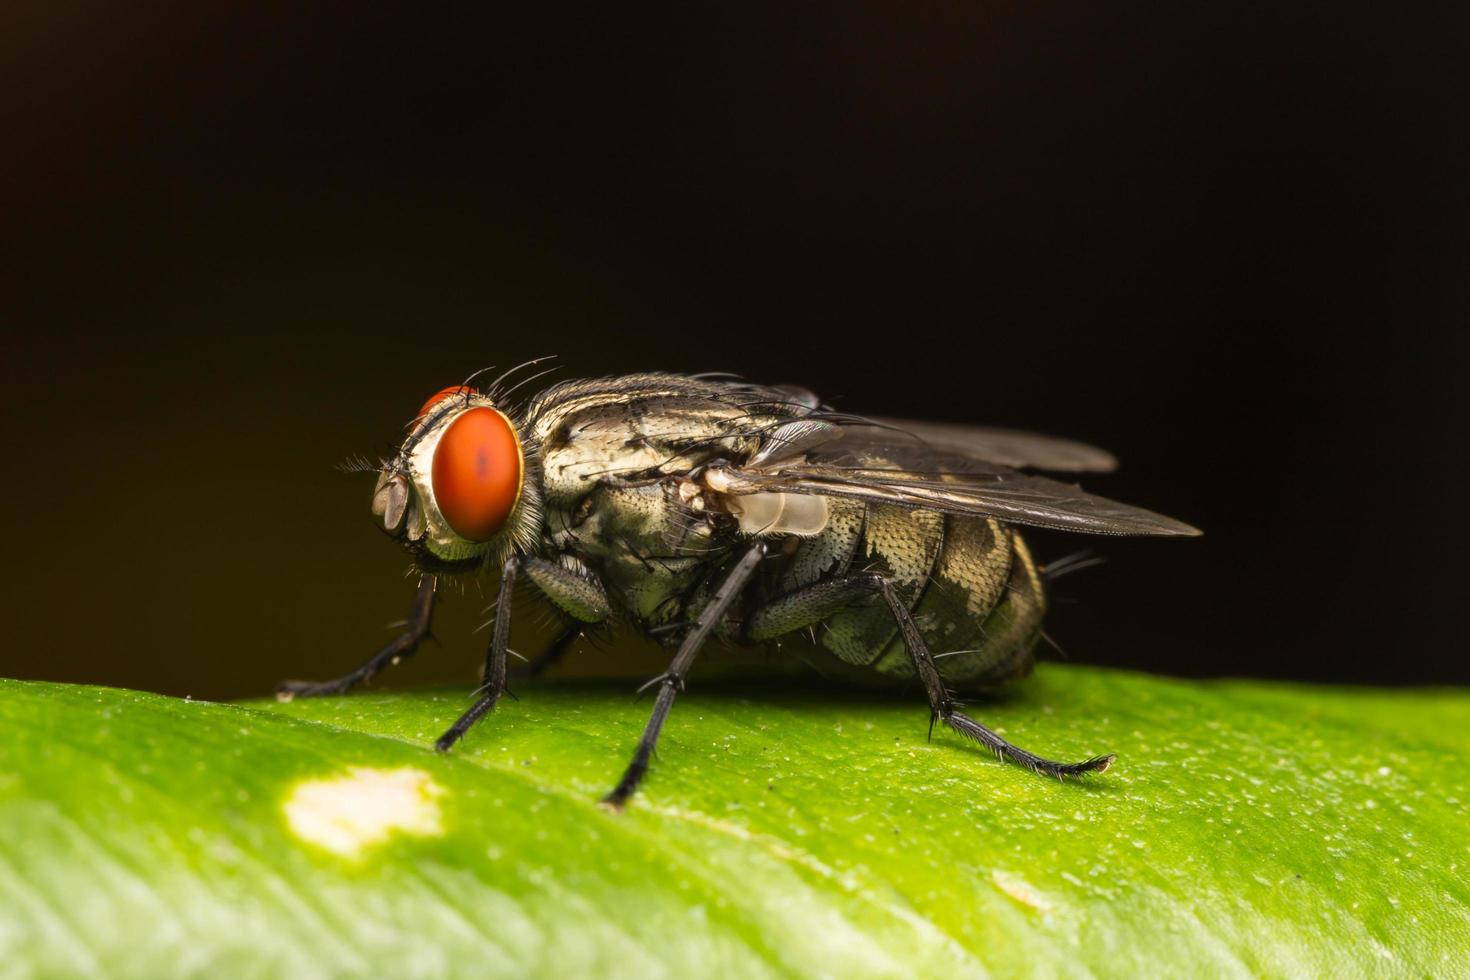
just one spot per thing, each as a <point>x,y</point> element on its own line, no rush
<point>942,705</point>
<point>415,629</point>
<point>815,603</point>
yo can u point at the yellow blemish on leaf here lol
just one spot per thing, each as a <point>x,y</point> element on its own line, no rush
<point>1021,890</point>
<point>346,814</point>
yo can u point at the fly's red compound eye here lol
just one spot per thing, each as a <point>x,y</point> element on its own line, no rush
<point>438,397</point>
<point>476,473</point>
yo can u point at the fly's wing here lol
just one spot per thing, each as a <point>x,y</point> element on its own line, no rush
<point>954,469</point>
<point>1006,447</point>
<point>981,490</point>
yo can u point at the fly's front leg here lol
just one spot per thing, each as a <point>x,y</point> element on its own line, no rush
<point>571,587</point>
<point>671,681</point>
<point>415,628</point>
<point>574,590</point>
<point>577,593</point>
<point>815,603</point>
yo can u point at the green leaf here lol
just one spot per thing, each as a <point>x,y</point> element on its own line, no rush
<point>1247,829</point>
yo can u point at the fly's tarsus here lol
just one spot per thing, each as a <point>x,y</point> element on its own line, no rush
<point>942,706</point>
<point>972,729</point>
<point>401,647</point>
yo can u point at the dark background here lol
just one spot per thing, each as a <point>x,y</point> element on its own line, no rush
<point>1229,243</point>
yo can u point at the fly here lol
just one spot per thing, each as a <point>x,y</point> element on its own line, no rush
<point>703,508</point>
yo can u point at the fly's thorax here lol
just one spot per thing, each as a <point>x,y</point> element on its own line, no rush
<point>640,426</point>
<point>610,445</point>
<point>645,543</point>
<point>615,457</point>
<point>646,518</point>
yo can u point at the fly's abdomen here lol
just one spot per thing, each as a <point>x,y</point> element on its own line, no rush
<point>1008,638</point>
<point>970,583</point>
<point>902,545</point>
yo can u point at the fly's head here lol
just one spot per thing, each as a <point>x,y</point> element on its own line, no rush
<point>457,493</point>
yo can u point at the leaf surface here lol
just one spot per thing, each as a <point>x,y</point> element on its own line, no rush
<point>1247,829</point>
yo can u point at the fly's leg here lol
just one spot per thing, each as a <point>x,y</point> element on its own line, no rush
<point>815,603</point>
<point>942,706</point>
<point>571,587</point>
<point>671,681</point>
<point>580,595</point>
<point>574,590</point>
<point>808,606</point>
<point>415,628</point>
<point>553,653</point>
<point>494,684</point>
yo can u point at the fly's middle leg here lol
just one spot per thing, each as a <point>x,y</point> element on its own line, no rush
<point>402,646</point>
<point>817,602</point>
<point>671,681</point>
<point>553,654</point>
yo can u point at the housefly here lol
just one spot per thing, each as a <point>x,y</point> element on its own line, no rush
<point>703,507</point>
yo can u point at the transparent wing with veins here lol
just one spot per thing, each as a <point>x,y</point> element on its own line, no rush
<point>952,469</point>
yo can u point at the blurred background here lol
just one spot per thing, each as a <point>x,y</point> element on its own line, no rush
<point>243,242</point>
